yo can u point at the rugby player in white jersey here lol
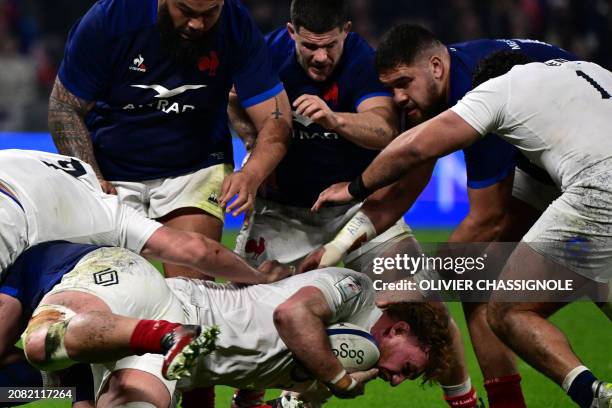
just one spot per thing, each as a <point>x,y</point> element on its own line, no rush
<point>46,197</point>
<point>558,115</point>
<point>94,315</point>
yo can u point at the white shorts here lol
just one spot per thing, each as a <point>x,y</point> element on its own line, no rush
<point>156,198</point>
<point>532,191</point>
<point>130,286</point>
<point>575,231</point>
<point>288,234</point>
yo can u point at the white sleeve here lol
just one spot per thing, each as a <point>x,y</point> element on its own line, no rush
<point>483,107</point>
<point>135,229</point>
<point>130,230</point>
<point>348,293</point>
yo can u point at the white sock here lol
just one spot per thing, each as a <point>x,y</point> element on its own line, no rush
<point>457,390</point>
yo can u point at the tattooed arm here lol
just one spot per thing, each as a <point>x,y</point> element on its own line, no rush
<point>272,119</point>
<point>67,125</point>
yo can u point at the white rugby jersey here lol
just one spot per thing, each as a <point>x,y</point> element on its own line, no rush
<point>250,352</point>
<point>559,114</point>
<point>62,200</point>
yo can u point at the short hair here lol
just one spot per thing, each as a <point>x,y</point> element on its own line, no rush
<point>319,16</point>
<point>430,325</point>
<point>497,64</point>
<point>402,45</point>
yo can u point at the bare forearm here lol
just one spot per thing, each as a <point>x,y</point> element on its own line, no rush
<point>435,138</point>
<point>304,335</point>
<point>388,204</point>
<point>197,251</point>
<point>392,164</point>
<point>273,121</point>
<point>67,125</point>
<point>225,264</point>
<point>271,147</point>
<point>371,130</point>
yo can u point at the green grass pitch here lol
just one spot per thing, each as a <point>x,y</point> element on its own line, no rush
<point>589,332</point>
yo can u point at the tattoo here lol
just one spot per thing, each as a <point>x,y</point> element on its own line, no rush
<point>380,132</point>
<point>67,124</point>
<point>277,113</point>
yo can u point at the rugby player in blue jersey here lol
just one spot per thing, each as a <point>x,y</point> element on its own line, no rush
<point>505,191</point>
<point>141,95</point>
<point>342,117</point>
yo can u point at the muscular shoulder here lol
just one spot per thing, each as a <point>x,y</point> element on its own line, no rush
<point>346,291</point>
<point>237,22</point>
<point>120,17</point>
<point>279,42</point>
<point>357,51</point>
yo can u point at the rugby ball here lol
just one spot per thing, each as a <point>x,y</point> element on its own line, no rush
<point>353,346</point>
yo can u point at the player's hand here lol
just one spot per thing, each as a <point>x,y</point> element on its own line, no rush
<point>317,110</point>
<point>312,260</point>
<point>107,187</point>
<point>274,271</point>
<point>361,378</point>
<point>338,193</point>
<point>244,187</point>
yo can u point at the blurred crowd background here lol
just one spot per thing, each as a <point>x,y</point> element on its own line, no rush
<point>33,32</point>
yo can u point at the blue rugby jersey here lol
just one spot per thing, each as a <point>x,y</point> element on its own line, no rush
<point>318,157</point>
<point>491,159</point>
<point>39,269</point>
<point>153,118</point>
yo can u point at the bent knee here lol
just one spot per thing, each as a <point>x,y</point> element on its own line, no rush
<point>34,346</point>
<point>43,339</point>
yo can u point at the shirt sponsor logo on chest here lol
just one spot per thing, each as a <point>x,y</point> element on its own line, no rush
<point>161,94</point>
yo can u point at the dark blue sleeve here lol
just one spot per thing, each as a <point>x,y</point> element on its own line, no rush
<point>542,52</point>
<point>254,77</point>
<point>488,161</point>
<point>87,63</point>
<point>364,79</point>
<point>12,285</point>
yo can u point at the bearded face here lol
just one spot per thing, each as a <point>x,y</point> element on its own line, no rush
<point>185,34</point>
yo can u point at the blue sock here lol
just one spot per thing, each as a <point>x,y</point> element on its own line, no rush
<point>580,391</point>
<point>20,374</point>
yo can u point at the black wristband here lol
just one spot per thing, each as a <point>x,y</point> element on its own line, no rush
<point>358,190</point>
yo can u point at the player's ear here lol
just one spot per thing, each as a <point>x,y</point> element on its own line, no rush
<point>291,30</point>
<point>346,28</point>
<point>436,66</point>
<point>400,328</point>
